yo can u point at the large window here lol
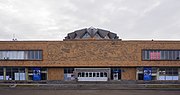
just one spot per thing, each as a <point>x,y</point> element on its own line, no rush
<point>22,73</point>
<point>68,74</point>
<point>15,73</point>
<point>21,55</point>
<point>161,54</point>
<point>168,74</point>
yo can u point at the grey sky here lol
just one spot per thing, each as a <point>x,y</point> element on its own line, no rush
<point>53,19</point>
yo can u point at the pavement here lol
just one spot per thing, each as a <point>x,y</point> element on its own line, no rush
<point>90,86</point>
<point>9,91</point>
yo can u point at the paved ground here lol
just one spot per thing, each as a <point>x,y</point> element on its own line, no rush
<point>87,92</point>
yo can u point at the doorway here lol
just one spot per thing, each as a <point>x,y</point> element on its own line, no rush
<point>115,74</point>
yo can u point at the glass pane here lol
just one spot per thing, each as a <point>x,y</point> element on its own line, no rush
<point>148,55</point>
<point>98,37</point>
<point>86,36</point>
<point>173,55</point>
<point>162,71</point>
<point>97,74</point>
<point>176,55</point>
<point>166,55</point>
<point>36,54</point>
<point>8,73</point>
<point>79,74</point>
<point>40,54</point>
<point>144,55</point>
<point>90,74</point>
<point>94,74</point>
<point>105,74</point>
<point>1,55</point>
<point>33,54</point>
<point>86,74</point>
<point>43,76</point>
<point>65,70</point>
<point>101,74</point>
<point>1,73</point>
<point>83,74</point>
<point>25,54</point>
<point>175,71</point>
<point>162,55</point>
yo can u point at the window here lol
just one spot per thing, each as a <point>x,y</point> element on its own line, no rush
<point>83,74</point>
<point>101,74</point>
<point>106,37</point>
<point>94,74</point>
<point>43,73</point>
<point>90,74</point>
<point>105,74</point>
<point>15,73</point>
<point>68,70</point>
<point>86,36</point>
<point>168,74</point>
<point>97,74</point>
<point>68,74</point>
<point>161,54</point>
<point>97,36</point>
<point>86,74</point>
<point>79,74</point>
<point>21,55</point>
<point>1,73</point>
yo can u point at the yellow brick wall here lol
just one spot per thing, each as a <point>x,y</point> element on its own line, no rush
<point>55,74</point>
<point>128,74</point>
<point>89,53</point>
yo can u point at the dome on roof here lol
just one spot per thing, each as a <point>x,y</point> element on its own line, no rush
<point>91,33</point>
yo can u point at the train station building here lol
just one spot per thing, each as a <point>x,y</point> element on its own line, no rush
<point>90,54</point>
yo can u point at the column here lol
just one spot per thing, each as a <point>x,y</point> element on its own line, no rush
<point>4,70</point>
<point>26,73</point>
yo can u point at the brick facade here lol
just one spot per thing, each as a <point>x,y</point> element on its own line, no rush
<point>100,54</point>
<point>55,73</point>
<point>89,53</point>
<point>128,74</point>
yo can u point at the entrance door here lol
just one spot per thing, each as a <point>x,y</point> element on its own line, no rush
<point>140,76</point>
<point>92,74</point>
<point>115,76</point>
<point>115,73</point>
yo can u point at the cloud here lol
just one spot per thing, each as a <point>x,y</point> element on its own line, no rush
<point>53,19</point>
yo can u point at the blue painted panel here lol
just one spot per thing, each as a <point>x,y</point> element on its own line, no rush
<point>36,74</point>
<point>147,74</point>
